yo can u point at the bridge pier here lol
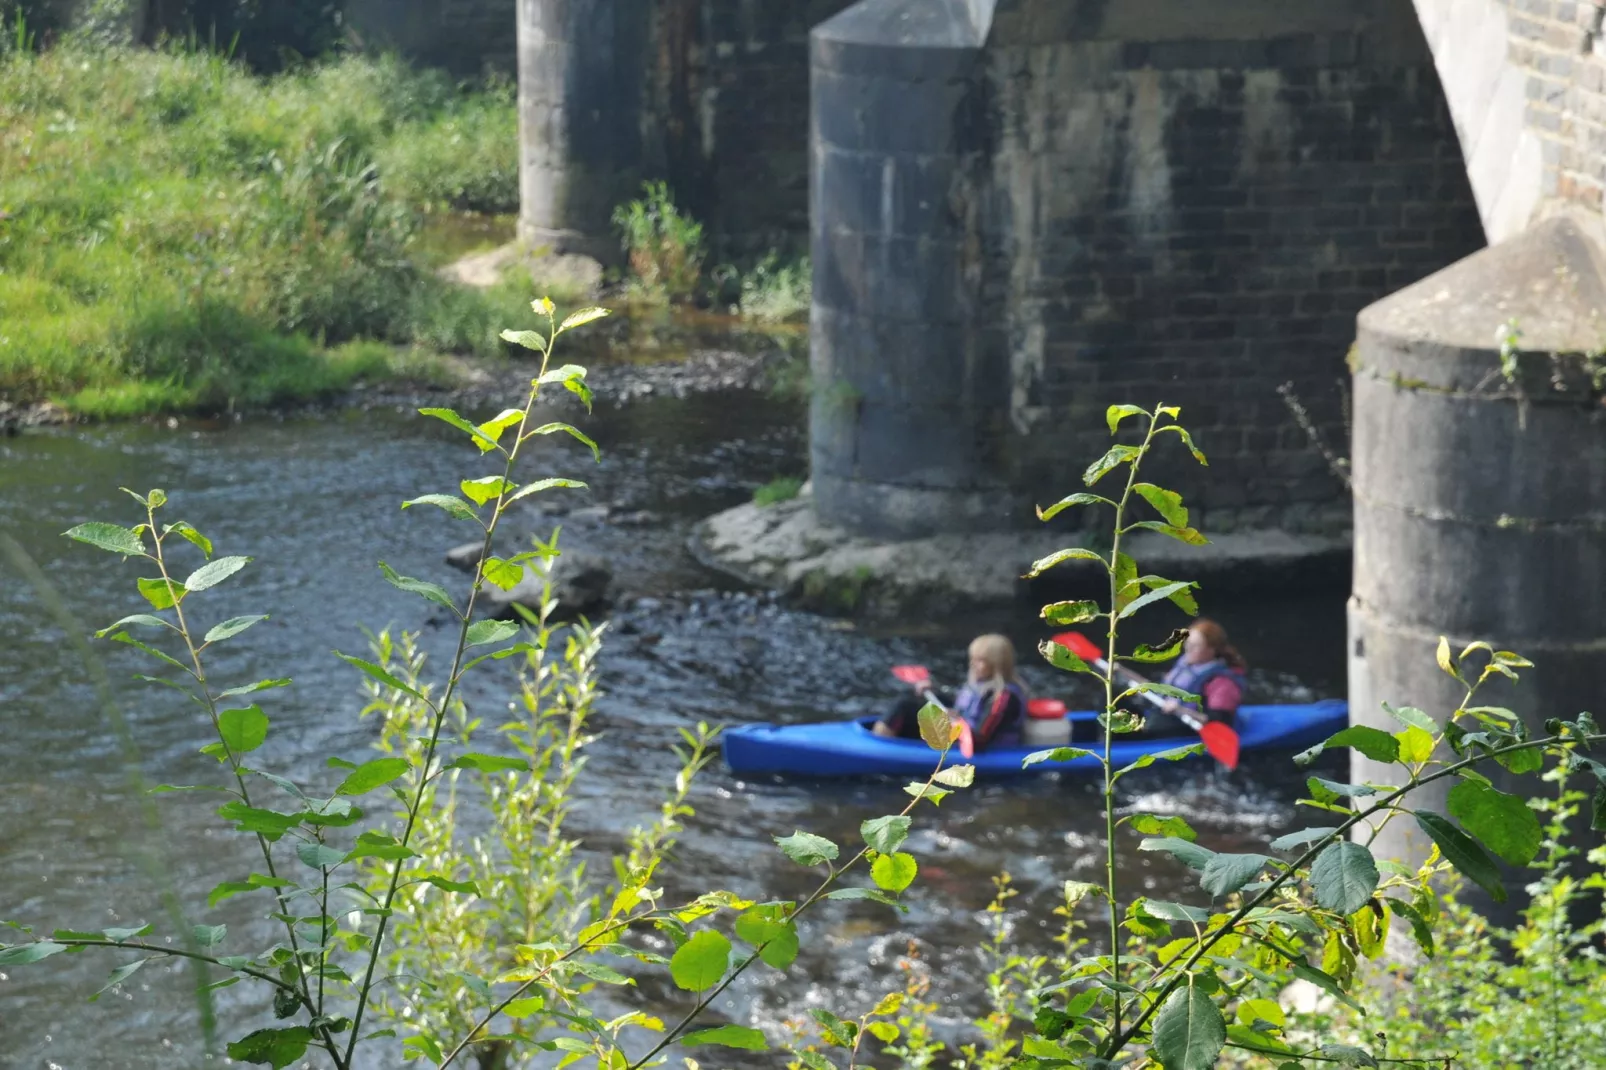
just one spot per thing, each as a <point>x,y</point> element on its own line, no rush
<point>1480,494</point>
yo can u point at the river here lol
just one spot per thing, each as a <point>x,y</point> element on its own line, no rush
<point>314,499</point>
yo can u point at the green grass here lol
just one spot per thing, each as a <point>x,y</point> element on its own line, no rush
<point>178,234</point>
<point>780,489</point>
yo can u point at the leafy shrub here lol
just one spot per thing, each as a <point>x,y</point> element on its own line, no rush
<point>664,246</point>
<point>777,292</point>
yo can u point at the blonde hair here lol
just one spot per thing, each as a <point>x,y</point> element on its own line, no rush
<point>998,652</point>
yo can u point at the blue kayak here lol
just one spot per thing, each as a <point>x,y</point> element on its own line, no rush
<point>849,748</point>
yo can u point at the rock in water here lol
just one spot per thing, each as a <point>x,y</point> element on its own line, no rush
<point>465,556</point>
<point>582,584</point>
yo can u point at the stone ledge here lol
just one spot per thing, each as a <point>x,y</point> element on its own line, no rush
<point>785,547</point>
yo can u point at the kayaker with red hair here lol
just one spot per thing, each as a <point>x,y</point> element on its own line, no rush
<point>992,702</point>
<point>1211,668</point>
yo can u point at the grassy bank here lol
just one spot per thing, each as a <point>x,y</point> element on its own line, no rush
<point>177,234</point>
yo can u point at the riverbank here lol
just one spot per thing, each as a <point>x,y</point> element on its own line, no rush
<point>179,235</point>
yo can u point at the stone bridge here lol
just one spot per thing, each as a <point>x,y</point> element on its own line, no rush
<point>1024,210</point>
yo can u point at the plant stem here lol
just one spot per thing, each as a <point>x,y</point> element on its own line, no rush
<point>178,953</point>
<point>453,678</point>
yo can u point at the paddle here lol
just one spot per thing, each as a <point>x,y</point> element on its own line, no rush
<point>919,676</point>
<point>1219,739</point>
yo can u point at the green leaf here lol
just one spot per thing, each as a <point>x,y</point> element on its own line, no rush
<point>24,954</point>
<point>214,572</point>
<point>1182,598</point>
<point>865,893</point>
<point>319,856</point>
<point>1174,754</point>
<point>1071,612</point>
<point>243,731</point>
<point>700,962</point>
<point>1176,911</point>
<point>1188,535</point>
<point>1333,789</point>
<point>434,592</point>
<point>505,574</point>
<point>384,676</point>
<point>956,776</point>
<point>1347,1055</point>
<point>580,319</point>
<point>270,824</point>
<point>1412,717</point>
<point>1503,822</point>
<point>545,484</point>
<point>485,632</point>
<point>1324,981</point>
<point>1153,825</point>
<point>1597,817</point>
<point>228,890</point>
<point>119,975</point>
<point>1187,440</point>
<point>461,887</point>
<point>277,1048</point>
<point>1043,564</point>
<point>162,594</point>
<point>1442,655</point>
<point>1375,743</point>
<point>187,531</point>
<point>1420,927</point>
<point>260,685</point>
<point>1164,652</point>
<point>937,727</point>
<point>926,791</point>
<point>730,1036</point>
<point>1170,590</point>
<point>370,775</point>
<point>232,627</point>
<point>454,506</point>
<point>209,935</point>
<point>1168,503</point>
<point>807,849</point>
<point>109,537</point>
<point>485,489</point>
<point>1062,658</point>
<point>489,763</point>
<point>1226,873</point>
<point>1117,455</point>
<point>1080,498</point>
<point>1344,876</point>
<point>381,845</point>
<point>894,872</point>
<point>142,619</point>
<point>1416,746</point>
<point>1189,854</point>
<point>523,1008</point>
<point>448,416</point>
<point>572,432</point>
<point>1463,853</point>
<point>528,339</point>
<point>494,427</point>
<point>119,935</point>
<point>885,834</point>
<point>1057,754</point>
<point>1189,1031</point>
<point>1301,838</point>
<point>1264,1010</point>
<point>774,936</point>
<point>1116,413</point>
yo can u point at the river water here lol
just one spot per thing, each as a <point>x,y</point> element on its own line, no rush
<point>314,499</point>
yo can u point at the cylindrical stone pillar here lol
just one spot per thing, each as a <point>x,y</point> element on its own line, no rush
<point>909,420</point>
<point>1480,494</point>
<point>581,71</point>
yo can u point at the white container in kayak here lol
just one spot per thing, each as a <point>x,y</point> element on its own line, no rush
<point>1046,724</point>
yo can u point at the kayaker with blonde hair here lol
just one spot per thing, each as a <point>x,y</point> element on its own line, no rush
<point>992,702</point>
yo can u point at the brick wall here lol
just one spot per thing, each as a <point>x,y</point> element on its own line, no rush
<point>1560,47</point>
<point>1199,222</point>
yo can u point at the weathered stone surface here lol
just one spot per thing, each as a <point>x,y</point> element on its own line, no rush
<point>582,584</point>
<point>1480,497</point>
<point>787,547</point>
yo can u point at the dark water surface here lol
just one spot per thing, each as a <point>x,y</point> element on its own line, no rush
<point>314,501</point>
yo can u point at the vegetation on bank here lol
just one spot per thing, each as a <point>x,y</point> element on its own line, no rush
<point>178,234</point>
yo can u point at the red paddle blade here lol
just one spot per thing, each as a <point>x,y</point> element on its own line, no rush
<point>967,742</point>
<point>1080,645</point>
<point>911,674</point>
<point>1221,741</point>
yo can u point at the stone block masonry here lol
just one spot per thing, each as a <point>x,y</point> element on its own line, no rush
<point>1093,204</point>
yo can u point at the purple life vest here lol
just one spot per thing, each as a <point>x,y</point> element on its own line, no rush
<point>974,705</point>
<point>1193,678</point>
